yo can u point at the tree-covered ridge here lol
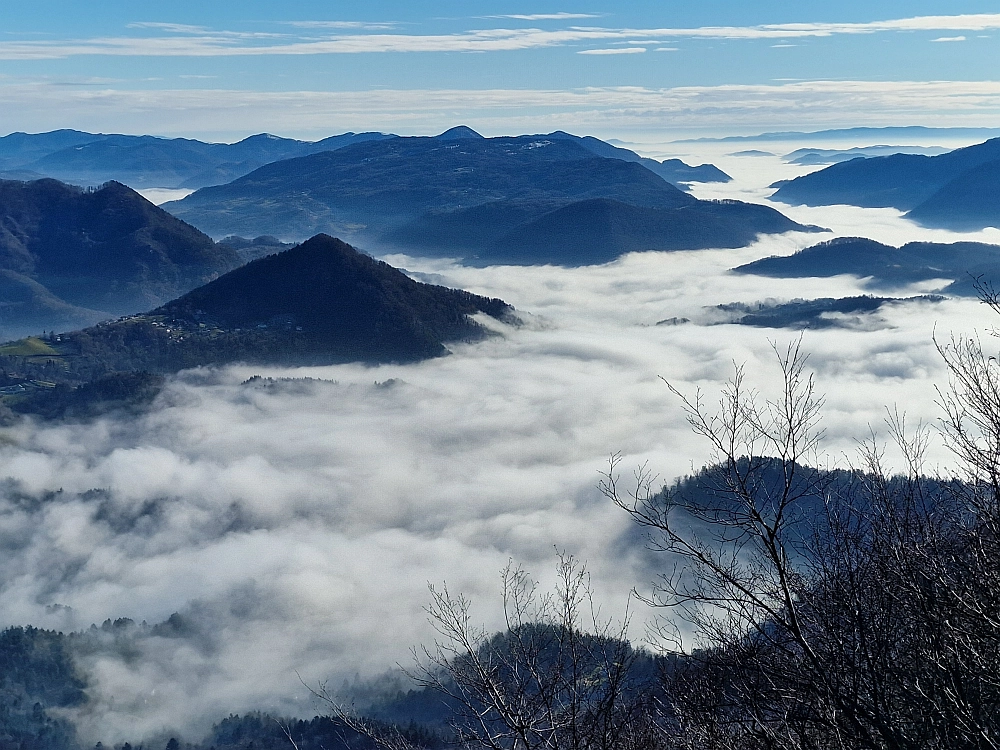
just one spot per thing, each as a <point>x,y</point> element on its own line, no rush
<point>321,302</point>
<point>37,673</point>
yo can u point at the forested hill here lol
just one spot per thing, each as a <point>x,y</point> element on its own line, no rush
<point>349,304</point>
<point>70,256</point>
<point>322,302</point>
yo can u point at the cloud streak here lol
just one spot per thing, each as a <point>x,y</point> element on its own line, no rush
<point>613,51</point>
<point>44,106</point>
<point>197,42</point>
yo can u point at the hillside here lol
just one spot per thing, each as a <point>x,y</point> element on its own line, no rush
<point>903,181</point>
<point>673,171</point>
<point>70,256</point>
<point>465,197</point>
<point>592,231</point>
<point>969,202</point>
<point>887,265</point>
<point>321,302</point>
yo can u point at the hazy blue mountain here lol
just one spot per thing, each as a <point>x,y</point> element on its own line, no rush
<point>887,265</point>
<point>596,230</point>
<point>476,198</point>
<point>902,181</point>
<point>969,202</point>
<point>70,256</point>
<point>818,156</point>
<point>18,149</point>
<point>258,247</point>
<point>149,161</point>
<point>879,135</point>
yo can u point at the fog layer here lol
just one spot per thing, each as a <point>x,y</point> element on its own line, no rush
<point>294,524</point>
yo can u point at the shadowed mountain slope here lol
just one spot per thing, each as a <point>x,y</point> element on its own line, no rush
<point>356,307</point>
<point>470,197</point>
<point>592,231</point>
<point>68,255</point>
<point>905,181</point>
<point>969,202</point>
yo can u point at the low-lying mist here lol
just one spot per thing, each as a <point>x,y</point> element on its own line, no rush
<point>294,520</point>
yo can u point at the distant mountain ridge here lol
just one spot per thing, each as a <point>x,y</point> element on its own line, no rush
<point>958,190</point>
<point>489,200</point>
<point>146,161</point>
<point>149,161</point>
<point>854,133</point>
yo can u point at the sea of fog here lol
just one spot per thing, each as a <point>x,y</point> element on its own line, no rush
<point>296,524</point>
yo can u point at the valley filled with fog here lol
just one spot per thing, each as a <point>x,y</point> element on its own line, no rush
<point>299,517</point>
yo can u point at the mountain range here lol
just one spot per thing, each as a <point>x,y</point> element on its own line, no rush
<point>71,256</point>
<point>959,190</point>
<point>961,262</point>
<point>524,199</point>
<point>146,161</point>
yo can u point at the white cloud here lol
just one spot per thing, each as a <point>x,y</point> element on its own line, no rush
<point>299,523</point>
<point>949,39</point>
<point>612,51</point>
<point>176,28</point>
<point>233,114</point>
<point>546,16</point>
<point>296,525</point>
<point>365,25</point>
<point>198,42</point>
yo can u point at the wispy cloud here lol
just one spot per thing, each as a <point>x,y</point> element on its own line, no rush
<point>177,28</point>
<point>546,16</point>
<point>194,41</point>
<point>232,113</point>
<point>612,51</point>
<point>362,25</point>
<point>949,39</point>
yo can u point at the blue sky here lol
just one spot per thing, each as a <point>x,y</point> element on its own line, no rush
<point>223,70</point>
